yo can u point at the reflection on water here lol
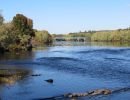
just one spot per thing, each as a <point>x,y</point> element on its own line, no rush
<point>20,55</point>
<point>74,67</point>
<point>10,76</point>
<point>113,44</point>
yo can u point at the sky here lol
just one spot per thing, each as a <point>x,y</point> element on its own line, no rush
<point>65,16</point>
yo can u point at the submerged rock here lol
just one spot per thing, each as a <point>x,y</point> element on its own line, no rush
<point>36,75</point>
<point>49,80</point>
<point>100,91</point>
<point>91,93</point>
<point>96,92</point>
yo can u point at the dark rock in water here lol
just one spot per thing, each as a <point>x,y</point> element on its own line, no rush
<point>49,80</point>
<point>36,75</point>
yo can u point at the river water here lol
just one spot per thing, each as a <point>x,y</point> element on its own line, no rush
<point>74,67</point>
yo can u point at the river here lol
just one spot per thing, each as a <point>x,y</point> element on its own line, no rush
<point>74,67</point>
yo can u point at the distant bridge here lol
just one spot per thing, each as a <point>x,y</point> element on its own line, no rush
<point>76,39</point>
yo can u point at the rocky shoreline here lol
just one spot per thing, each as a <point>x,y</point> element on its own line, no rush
<point>97,92</point>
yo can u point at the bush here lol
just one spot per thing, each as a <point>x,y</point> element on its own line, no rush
<point>43,37</point>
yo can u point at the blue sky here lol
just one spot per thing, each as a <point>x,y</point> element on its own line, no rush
<point>64,16</point>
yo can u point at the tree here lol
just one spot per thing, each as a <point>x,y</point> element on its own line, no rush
<point>16,35</point>
<point>1,23</point>
<point>23,25</point>
<point>7,35</point>
<point>1,19</point>
<point>43,37</point>
<point>24,30</point>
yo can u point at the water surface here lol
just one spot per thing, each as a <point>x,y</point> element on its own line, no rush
<point>77,67</point>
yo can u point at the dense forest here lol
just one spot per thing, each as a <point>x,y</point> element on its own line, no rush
<point>19,35</point>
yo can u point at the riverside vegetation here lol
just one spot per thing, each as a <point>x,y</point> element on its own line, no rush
<point>19,34</point>
<point>120,35</point>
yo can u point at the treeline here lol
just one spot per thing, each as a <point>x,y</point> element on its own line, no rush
<point>120,35</point>
<point>19,34</point>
